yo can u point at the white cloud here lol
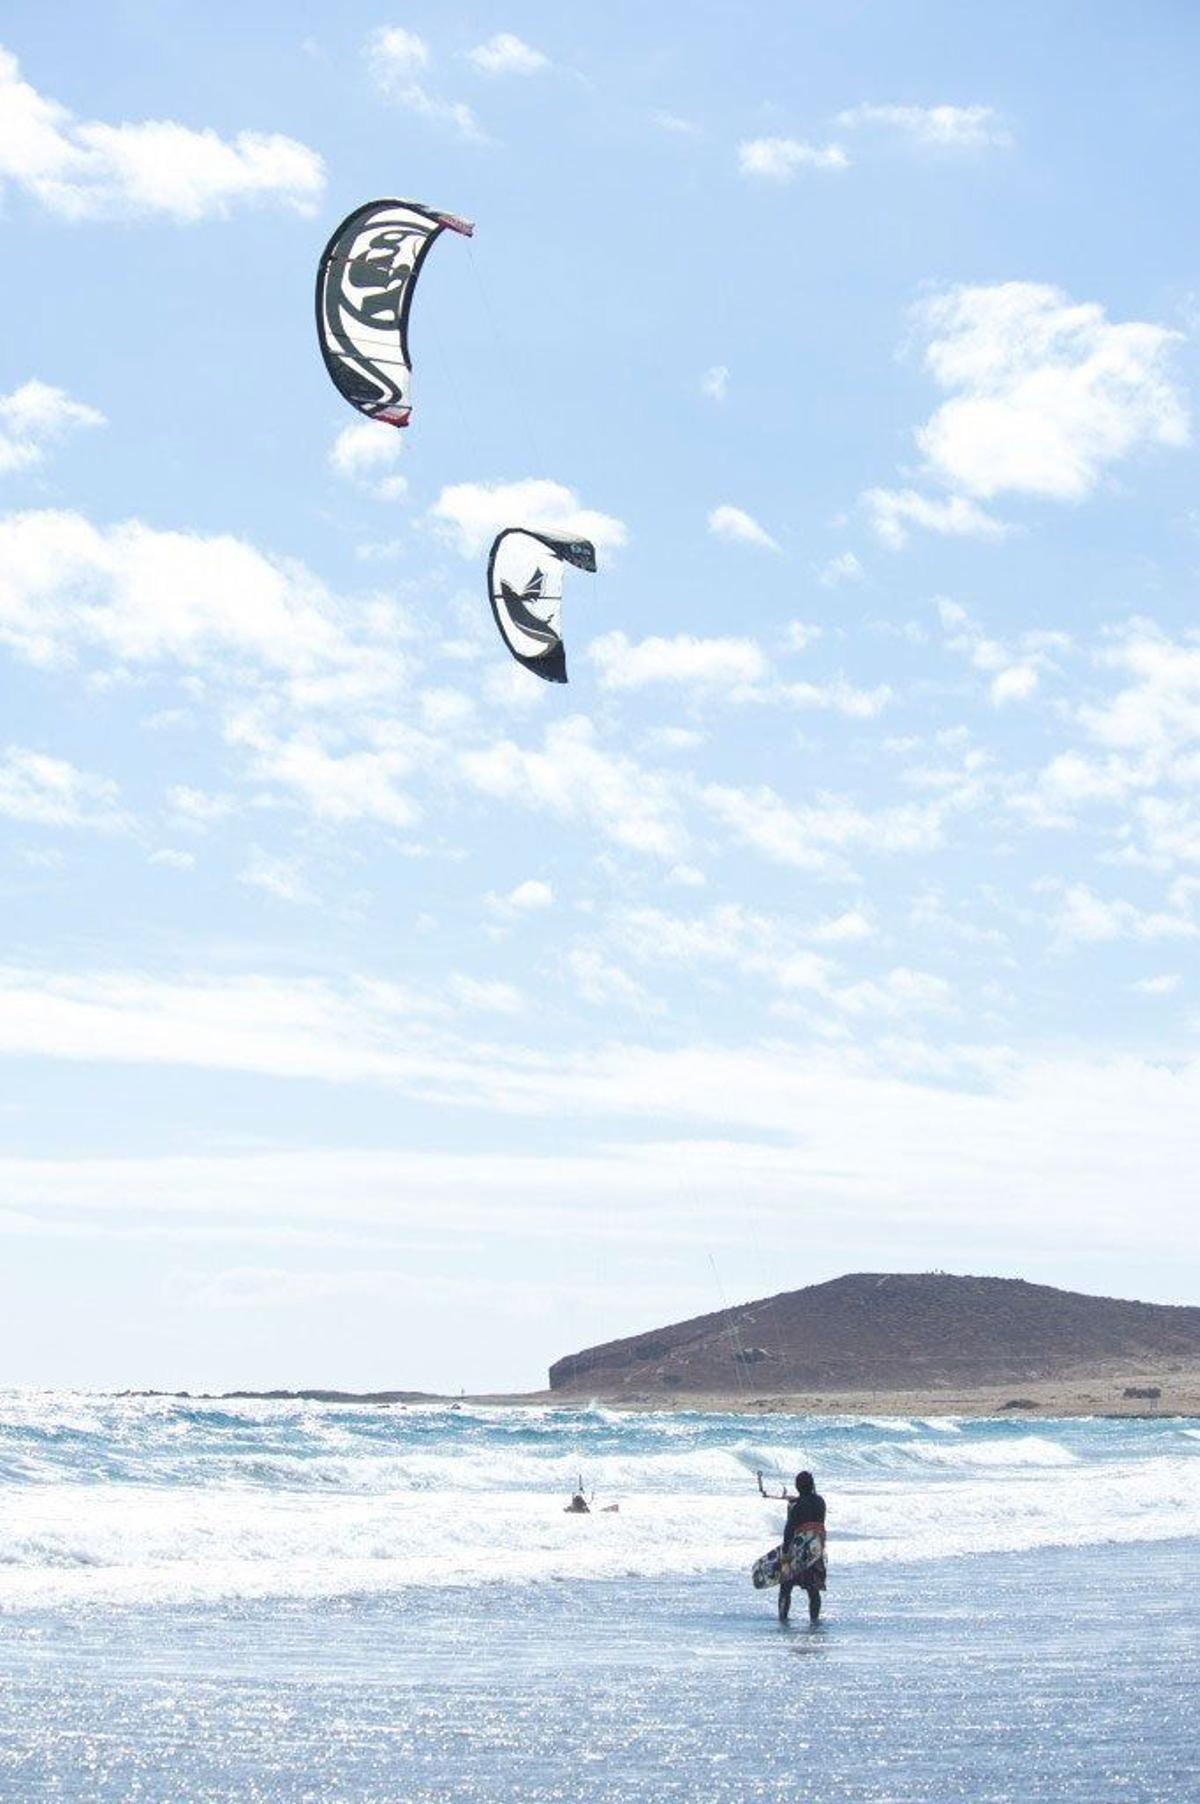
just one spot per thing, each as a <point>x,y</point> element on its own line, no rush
<point>367,454</point>
<point>1045,392</point>
<point>604,984</point>
<point>894,511</point>
<point>843,568</point>
<point>779,159</point>
<point>83,169</point>
<point>333,785</point>
<point>196,808</point>
<point>715,382</point>
<point>677,127</point>
<point>798,635</point>
<point>525,898</point>
<point>395,58</point>
<point>33,417</point>
<point>840,697</point>
<point>782,952</point>
<point>935,127</point>
<point>173,859</point>
<point>1145,740</point>
<point>143,596</point>
<point>1016,684</point>
<point>769,1121</point>
<point>505,54</point>
<point>486,995</point>
<point>50,792</point>
<point>1082,916</point>
<point>682,660</point>
<point>1014,673</point>
<point>814,835</point>
<point>470,514</point>
<point>397,54</point>
<point>1158,714</point>
<point>735,524</point>
<point>573,778</point>
<point>1163,985</point>
<point>278,877</point>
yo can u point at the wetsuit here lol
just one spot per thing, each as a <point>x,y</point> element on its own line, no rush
<point>808,1507</point>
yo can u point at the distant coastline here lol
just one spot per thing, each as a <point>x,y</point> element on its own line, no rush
<point>1100,1395</point>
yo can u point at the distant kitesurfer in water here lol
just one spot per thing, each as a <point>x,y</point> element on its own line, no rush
<point>803,1535</point>
<point>578,1505</point>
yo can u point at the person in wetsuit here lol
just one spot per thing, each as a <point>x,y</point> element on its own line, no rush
<point>805,1509</point>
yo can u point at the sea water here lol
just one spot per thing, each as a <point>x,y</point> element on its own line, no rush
<point>272,1600</point>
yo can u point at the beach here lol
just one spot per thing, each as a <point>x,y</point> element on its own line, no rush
<point>281,1600</point>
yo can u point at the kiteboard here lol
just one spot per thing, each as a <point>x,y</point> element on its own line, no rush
<point>808,1550</point>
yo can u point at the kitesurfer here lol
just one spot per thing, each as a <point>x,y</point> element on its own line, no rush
<point>806,1512</point>
<point>578,1506</point>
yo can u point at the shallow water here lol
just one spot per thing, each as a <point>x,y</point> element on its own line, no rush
<point>280,1601</point>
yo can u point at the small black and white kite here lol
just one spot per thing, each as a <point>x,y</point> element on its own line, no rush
<point>525,585</point>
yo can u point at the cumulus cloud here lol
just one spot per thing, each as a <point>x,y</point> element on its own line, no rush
<point>35,416</point>
<point>574,778</point>
<point>367,455</point>
<point>839,697</point>
<point>50,792</point>
<point>396,58</point>
<point>489,995</point>
<point>783,952</point>
<point>1013,672</point>
<point>735,524</point>
<point>781,159</point>
<point>893,512</point>
<point>1143,741</point>
<point>470,514</point>
<point>604,984</point>
<point>845,567</point>
<point>1045,392</point>
<point>333,784</point>
<point>143,595</point>
<point>525,898</point>
<point>1082,916</point>
<point>814,836</point>
<point>81,169</point>
<point>676,126</point>
<point>397,54</point>
<point>683,660</point>
<point>933,127</point>
<point>506,54</point>
<point>715,382</point>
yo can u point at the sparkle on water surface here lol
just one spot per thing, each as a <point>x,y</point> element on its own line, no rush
<point>278,1602</point>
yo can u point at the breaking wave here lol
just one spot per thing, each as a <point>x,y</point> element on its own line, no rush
<point>155,1499</point>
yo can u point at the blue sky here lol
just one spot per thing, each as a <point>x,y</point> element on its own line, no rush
<point>373,1013</point>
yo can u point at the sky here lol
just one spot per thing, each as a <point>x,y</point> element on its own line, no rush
<point>375,1014</point>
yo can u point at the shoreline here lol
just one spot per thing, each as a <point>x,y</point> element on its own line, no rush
<point>1100,1395</point>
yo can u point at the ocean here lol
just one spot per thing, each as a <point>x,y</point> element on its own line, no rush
<point>299,1601</point>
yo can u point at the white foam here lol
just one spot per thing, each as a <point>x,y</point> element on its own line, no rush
<point>151,1500</point>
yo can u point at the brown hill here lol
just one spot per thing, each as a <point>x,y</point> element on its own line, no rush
<point>873,1331</point>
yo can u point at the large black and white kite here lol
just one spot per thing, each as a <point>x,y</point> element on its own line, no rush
<point>365,284</point>
<point>525,585</point>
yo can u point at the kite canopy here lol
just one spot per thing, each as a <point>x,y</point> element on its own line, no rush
<point>525,590</point>
<point>365,283</point>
